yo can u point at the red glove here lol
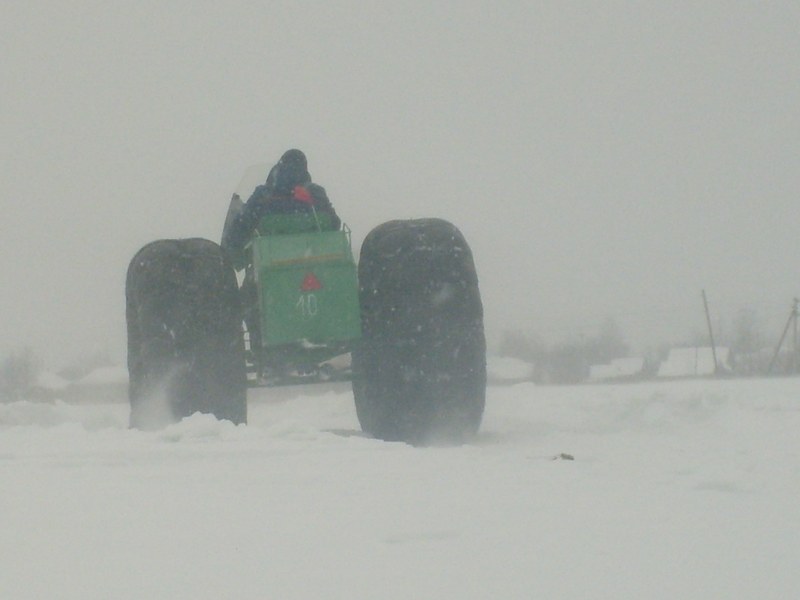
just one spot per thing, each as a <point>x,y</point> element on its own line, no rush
<point>300,193</point>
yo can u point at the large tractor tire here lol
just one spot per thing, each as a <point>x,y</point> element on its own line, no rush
<point>185,346</point>
<point>419,373</point>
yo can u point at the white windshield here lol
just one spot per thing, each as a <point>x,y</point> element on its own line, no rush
<point>253,176</point>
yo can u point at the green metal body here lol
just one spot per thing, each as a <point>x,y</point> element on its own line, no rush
<point>307,289</point>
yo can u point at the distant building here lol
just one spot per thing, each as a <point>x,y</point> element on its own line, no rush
<point>694,362</point>
<point>105,384</point>
<point>46,386</point>
<point>617,369</point>
<point>507,370</point>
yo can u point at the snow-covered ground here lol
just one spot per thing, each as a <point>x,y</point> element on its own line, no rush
<point>674,490</point>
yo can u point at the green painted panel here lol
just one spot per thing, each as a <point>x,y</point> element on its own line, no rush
<point>308,288</point>
<point>294,223</point>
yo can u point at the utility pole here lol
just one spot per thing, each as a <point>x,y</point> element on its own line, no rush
<point>792,320</point>
<point>710,333</point>
<point>796,354</point>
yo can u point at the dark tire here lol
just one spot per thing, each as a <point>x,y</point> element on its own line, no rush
<point>419,373</point>
<point>185,346</point>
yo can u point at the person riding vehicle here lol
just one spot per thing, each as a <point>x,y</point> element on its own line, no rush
<point>288,190</point>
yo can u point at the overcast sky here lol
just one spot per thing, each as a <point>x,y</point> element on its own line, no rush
<point>603,159</point>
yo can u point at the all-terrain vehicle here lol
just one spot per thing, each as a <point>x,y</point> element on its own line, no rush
<point>408,315</point>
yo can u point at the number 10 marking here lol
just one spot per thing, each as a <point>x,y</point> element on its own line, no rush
<point>307,306</point>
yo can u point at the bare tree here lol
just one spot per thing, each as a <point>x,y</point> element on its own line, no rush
<point>18,373</point>
<point>748,333</point>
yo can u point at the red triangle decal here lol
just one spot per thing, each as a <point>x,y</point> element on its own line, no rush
<point>310,283</point>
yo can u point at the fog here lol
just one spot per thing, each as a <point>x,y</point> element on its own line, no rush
<point>603,159</point>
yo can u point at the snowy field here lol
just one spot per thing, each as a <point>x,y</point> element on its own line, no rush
<point>681,490</point>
